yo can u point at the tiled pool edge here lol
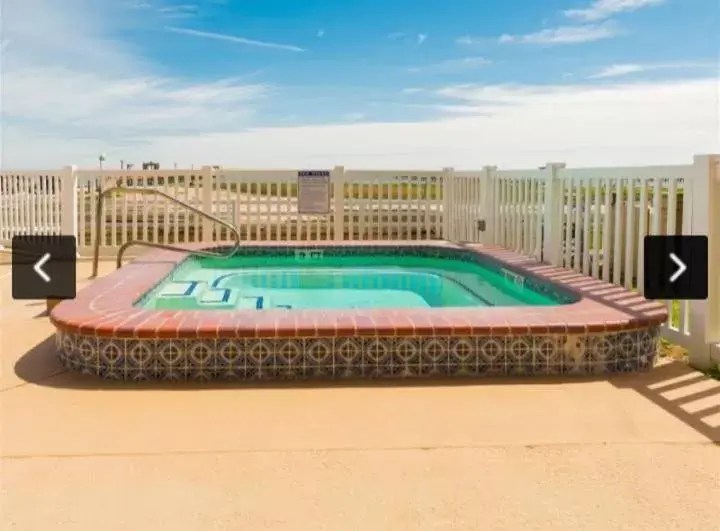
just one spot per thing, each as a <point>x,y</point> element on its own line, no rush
<point>610,330</point>
<point>358,357</point>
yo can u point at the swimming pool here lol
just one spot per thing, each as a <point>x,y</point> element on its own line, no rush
<point>352,310</point>
<point>320,279</point>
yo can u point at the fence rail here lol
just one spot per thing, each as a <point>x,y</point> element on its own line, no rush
<point>591,220</point>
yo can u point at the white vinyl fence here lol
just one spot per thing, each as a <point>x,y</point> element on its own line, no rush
<point>592,220</point>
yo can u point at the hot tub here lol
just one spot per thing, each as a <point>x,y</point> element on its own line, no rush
<point>352,310</point>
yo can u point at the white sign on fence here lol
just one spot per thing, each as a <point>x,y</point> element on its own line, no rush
<point>313,192</point>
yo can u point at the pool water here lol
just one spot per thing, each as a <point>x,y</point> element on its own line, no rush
<point>355,281</point>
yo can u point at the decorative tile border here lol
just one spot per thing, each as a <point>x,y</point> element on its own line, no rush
<point>395,357</point>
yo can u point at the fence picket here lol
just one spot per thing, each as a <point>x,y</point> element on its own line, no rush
<point>598,216</point>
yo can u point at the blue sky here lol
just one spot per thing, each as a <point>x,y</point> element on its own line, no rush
<point>131,77</point>
<point>337,60</point>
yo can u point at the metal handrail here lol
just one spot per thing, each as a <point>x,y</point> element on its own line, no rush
<point>11,250</point>
<point>126,245</point>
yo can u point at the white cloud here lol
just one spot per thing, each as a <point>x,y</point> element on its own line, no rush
<point>320,34</point>
<point>468,62</point>
<point>419,38</point>
<point>70,92</point>
<point>412,90</point>
<point>163,10</point>
<point>468,40</point>
<point>81,103</point>
<point>565,35</point>
<point>603,9</point>
<point>179,11</point>
<point>619,70</point>
<point>511,126</point>
<point>464,63</point>
<point>234,39</point>
<point>63,77</point>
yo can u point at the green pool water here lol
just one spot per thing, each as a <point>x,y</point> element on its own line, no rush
<point>337,282</point>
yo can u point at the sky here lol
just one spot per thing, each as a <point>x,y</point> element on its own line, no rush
<point>394,84</point>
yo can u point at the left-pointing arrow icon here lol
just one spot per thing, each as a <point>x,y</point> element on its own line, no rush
<point>682,267</point>
<point>38,267</point>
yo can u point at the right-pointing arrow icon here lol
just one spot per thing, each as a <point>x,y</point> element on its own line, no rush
<point>680,270</point>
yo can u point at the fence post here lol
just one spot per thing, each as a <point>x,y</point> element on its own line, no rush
<point>713,316</point>
<point>552,213</point>
<point>448,191</point>
<point>489,211</point>
<point>704,325</point>
<point>207,183</point>
<point>337,178</point>
<point>69,202</point>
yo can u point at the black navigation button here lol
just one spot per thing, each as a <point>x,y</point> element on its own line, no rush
<point>43,267</point>
<point>676,267</point>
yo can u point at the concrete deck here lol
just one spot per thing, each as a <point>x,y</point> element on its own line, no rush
<point>633,452</point>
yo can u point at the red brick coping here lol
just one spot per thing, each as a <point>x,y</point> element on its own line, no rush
<point>106,307</point>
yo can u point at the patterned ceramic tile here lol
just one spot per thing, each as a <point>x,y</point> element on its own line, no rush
<point>355,357</point>
<point>348,351</point>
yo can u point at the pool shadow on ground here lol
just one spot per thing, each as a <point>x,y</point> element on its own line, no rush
<point>688,395</point>
<point>40,364</point>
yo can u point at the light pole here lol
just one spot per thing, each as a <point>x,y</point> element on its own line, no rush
<point>101,159</point>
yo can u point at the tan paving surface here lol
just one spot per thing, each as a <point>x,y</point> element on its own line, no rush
<point>631,453</point>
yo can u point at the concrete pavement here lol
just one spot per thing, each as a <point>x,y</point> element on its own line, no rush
<point>633,452</point>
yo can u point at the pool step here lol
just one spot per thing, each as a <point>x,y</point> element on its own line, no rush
<point>217,299</point>
<point>198,295</point>
<point>224,298</point>
<point>182,289</point>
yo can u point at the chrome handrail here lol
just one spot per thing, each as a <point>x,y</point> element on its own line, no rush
<point>126,245</point>
<point>11,250</point>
